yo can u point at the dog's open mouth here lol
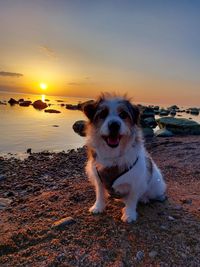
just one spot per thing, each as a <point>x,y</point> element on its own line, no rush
<point>112,141</point>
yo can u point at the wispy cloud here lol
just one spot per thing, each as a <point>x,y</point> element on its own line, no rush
<point>10,74</point>
<point>48,51</point>
<point>74,83</point>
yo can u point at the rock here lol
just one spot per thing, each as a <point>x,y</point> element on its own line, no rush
<point>173,107</point>
<point>55,125</point>
<point>170,218</point>
<point>173,112</point>
<point>163,133</point>
<point>2,103</point>
<point>12,101</point>
<point>25,103</point>
<point>149,122</point>
<point>38,104</point>
<point>5,202</point>
<point>47,100</point>
<point>70,106</point>
<point>147,112</point>
<point>164,112</point>
<point>21,100</point>
<point>63,222</point>
<point>157,112</point>
<point>179,125</point>
<point>153,254</point>
<point>52,111</point>
<point>28,151</point>
<point>187,201</point>
<point>139,256</point>
<point>156,108</point>
<point>60,100</point>
<point>79,127</point>
<point>147,132</point>
<point>163,227</point>
<point>194,111</point>
<point>2,177</point>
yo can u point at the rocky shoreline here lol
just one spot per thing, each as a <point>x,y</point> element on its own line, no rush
<point>44,202</point>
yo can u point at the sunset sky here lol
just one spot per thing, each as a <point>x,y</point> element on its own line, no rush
<point>150,49</point>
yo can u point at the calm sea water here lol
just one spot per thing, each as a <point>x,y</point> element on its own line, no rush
<point>25,127</point>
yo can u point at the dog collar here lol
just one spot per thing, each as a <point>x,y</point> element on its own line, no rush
<point>109,175</point>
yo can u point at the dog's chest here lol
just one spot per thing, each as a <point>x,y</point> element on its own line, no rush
<point>107,176</point>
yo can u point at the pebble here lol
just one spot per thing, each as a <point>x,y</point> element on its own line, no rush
<point>163,227</point>
<point>171,218</point>
<point>178,207</point>
<point>2,177</point>
<point>140,255</point>
<point>4,202</point>
<point>187,201</point>
<point>63,222</point>
<point>153,254</point>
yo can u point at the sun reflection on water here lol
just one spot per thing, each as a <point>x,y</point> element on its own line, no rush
<point>43,98</point>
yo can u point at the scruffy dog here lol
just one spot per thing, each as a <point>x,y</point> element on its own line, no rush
<point>118,163</point>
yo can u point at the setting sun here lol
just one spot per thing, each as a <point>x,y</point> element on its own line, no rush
<point>43,86</point>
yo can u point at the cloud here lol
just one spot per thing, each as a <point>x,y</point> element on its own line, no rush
<point>10,74</point>
<point>47,51</point>
<point>74,83</point>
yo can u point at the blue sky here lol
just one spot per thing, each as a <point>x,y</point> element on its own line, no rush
<point>149,49</point>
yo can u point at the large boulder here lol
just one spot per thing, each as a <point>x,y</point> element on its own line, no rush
<point>38,104</point>
<point>163,133</point>
<point>179,125</point>
<point>79,127</point>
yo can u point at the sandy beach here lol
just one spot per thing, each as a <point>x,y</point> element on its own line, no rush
<point>35,194</point>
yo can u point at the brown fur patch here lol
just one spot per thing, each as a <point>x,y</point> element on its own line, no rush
<point>149,165</point>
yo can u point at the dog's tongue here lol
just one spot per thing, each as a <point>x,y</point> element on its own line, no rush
<point>113,141</point>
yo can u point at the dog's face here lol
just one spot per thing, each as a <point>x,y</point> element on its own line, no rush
<point>113,120</point>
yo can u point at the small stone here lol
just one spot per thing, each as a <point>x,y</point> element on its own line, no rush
<point>5,202</point>
<point>153,254</point>
<point>63,222</point>
<point>178,207</point>
<point>187,201</point>
<point>2,177</point>
<point>161,213</point>
<point>52,111</point>
<point>163,227</point>
<point>171,218</point>
<point>28,151</point>
<point>140,255</point>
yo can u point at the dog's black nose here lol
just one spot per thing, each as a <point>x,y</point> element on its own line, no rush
<point>114,126</point>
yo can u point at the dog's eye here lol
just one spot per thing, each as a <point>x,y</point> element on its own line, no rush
<point>103,114</point>
<point>123,115</point>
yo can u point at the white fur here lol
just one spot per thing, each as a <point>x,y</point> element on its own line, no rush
<point>137,182</point>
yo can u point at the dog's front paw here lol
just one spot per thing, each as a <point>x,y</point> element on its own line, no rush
<point>95,209</point>
<point>128,215</point>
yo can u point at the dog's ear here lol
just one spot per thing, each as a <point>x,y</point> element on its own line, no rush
<point>135,112</point>
<point>90,110</point>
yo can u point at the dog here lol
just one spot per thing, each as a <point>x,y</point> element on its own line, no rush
<point>118,163</point>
